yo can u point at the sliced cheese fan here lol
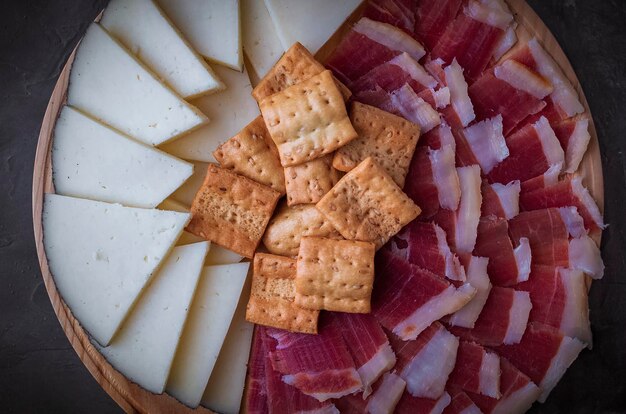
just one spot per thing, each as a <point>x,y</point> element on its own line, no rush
<point>260,41</point>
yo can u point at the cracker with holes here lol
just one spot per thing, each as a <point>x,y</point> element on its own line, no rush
<point>307,183</point>
<point>249,153</point>
<point>291,223</point>
<point>335,275</point>
<point>389,139</point>
<point>272,298</point>
<point>296,65</point>
<point>367,205</point>
<point>232,210</point>
<point>307,120</point>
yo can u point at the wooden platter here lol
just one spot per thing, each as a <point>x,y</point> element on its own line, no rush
<point>131,397</point>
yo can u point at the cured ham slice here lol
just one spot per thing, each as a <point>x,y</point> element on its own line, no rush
<point>546,233</point>
<point>487,143</point>
<point>584,255</point>
<point>532,150</point>
<point>506,43</point>
<point>367,344</point>
<point>476,370</point>
<point>460,403</point>
<point>565,193</point>
<point>438,138</point>
<point>392,12</point>
<point>407,104</point>
<point>407,299</point>
<point>438,99</point>
<point>503,319</point>
<point>476,271</point>
<point>500,200</point>
<point>256,387</point>
<point>426,362</point>
<point>432,17</point>
<point>507,265</point>
<point>414,405</point>
<point>318,365</point>
<point>548,178</point>
<point>518,392</point>
<point>544,354</point>
<point>387,392</point>
<point>369,44</point>
<point>573,134</point>
<point>461,111</point>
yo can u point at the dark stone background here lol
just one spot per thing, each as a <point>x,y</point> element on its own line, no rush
<point>39,371</point>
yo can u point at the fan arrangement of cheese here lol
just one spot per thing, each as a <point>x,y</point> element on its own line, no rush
<point>189,205</point>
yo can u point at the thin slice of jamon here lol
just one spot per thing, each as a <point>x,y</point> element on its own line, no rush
<point>507,265</point>
<point>584,255</point>
<point>256,387</point>
<point>573,134</point>
<point>565,193</point>
<point>476,370</point>
<point>532,151</point>
<point>546,233</point>
<point>367,45</point>
<point>432,17</point>
<point>487,143</point>
<point>501,200</point>
<point>377,97</point>
<point>432,181</point>
<point>414,405</point>
<point>461,111</point>
<point>367,344</point>
<point>407,104</point>
<point>438,99</point>
<point>387,392</point>
<point>438,138</point>
<point>318,365</point>
<point>476,271</point>
<point>544,354</point>
<point>506,43</point>
<point>503,319</point>
<point>392,12</point>
<point>407,299</point>
<point>548,178</point>
<point>426,362</point>
<point>518,392</point>
<point>460,403</point>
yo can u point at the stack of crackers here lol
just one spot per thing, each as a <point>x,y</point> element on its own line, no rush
<point>319,244</point>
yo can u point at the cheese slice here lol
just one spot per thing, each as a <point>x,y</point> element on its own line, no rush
<point>311,23</point>
<point>146,32</point>
<point>109,84</point>
<point>225,388</point>
<point>211,26</point>
<point>102,255</point>
<point>229,110</point>
<point>92,160</point>
<point>209,318</point>
<point>260,41</point>
<point>144,348</point>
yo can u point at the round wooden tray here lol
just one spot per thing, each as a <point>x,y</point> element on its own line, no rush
<point>131,397</point>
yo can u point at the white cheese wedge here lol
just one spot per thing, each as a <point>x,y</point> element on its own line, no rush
<point>92,160</point>
<point>260,41</point>
<point>144,347</point>
<point>225,388</point>
<point>146,32</point>
<point>211,26</point>
<point>311,23</point>
<point>209,318</point>
<point>111,85</point>
<point>229,110</point>
<point>102,255</point>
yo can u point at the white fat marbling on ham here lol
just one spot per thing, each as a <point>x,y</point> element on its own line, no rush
<point>446,177</point>
<point>585,255</point>
<point>476,271</point>
<point>415,109</point>
<point>459,97</point>
<point>487,142</point>
<point>575,319</point>
<point>390,36</point>
<point>488,12</point>
<point>573,221</point>
<point>518,317</point>
<point>506,43</point>
<point>523,79</point>
<point>509,197</point>
<point>468,213</point>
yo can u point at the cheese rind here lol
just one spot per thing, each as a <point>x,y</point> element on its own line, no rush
<point>91,160</point>
<point>112,86</point>
<point>144,348</point>
<point>147,33</point>
<point>260,41</point>
<point>102,255</point>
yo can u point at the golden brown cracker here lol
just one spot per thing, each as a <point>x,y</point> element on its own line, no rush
<point>307,183</point>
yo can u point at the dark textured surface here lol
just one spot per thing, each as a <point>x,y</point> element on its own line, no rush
<point>39,371</point>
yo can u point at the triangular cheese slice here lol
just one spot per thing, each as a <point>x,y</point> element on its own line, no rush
<point>92,160</point>
<point>112,86</point>
<point>210,316</point>
<point>144,347</point>
<point>229,110</point>
<point>260,41</point>
<point>102,255</point>
<point>187,192</point>
<point>211,26</point>
<point>145,31</point>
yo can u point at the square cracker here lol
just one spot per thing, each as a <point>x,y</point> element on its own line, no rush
<point>250,154</point>
<point>335,275</point>
<point>232,210</point>
<point>307,120</point>
<point>273,293</point>
<point>290,224</point>
<point>307,183</point>
<point>389,139</point>
<point>296,65</point>
<point>367,205</point>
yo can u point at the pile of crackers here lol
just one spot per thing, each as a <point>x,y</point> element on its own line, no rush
<point>341,167</point>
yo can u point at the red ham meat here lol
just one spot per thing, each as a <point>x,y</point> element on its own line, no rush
<point>256,387</point>
<point>392,12</point>
<point>507,265</point>
<point>500,200</point>
<point>503,319</point>
<point>573,134</point>
<point>426,362</point>
<point>550,177</point>
<point>486,142</point>
<point>460,403</point>
<point>432,17</point>
<point>476,370</point>
<point>410,106</point>
<point>544,354</point>
<point>546,233</point>
<point>407,299</point>
<point>518,392</point>
<point>387,392</point>
<point>318,365</point>
<point>414,405</point>
<point>476,271</point>
<point>438,138</point>
<point>367,45</point>
<point>461,111</point>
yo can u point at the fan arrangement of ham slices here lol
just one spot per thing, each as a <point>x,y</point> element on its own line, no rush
<point>478,305</point>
